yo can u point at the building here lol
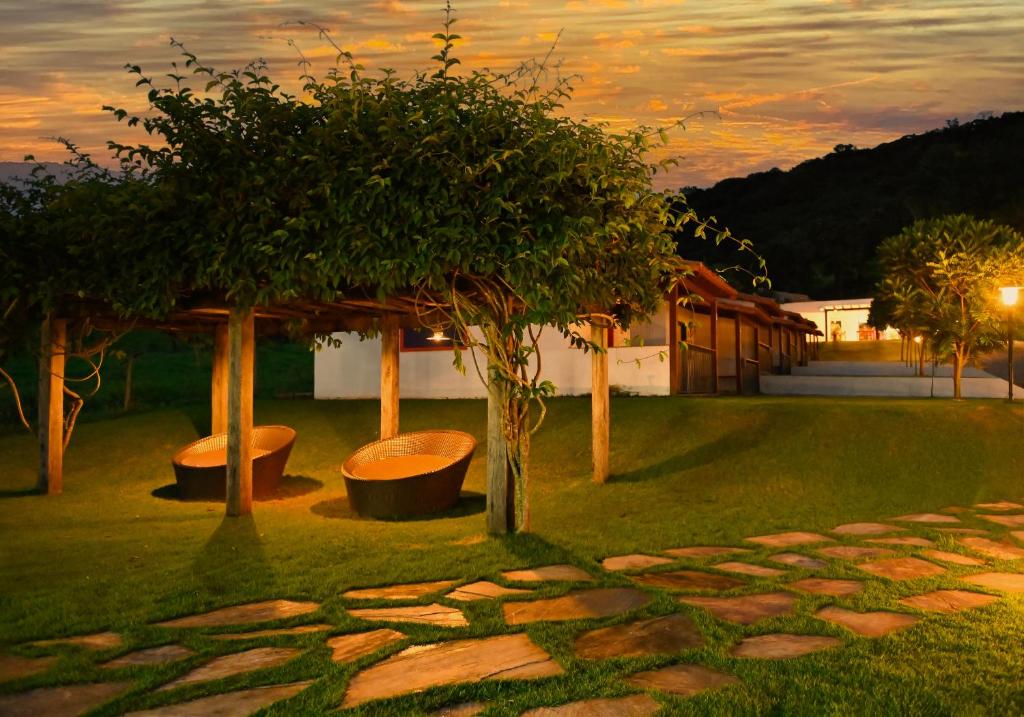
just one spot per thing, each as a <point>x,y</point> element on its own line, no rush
<point>706,338</point>
<point>841,319</point>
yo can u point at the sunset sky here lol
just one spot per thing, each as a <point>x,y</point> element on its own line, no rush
<point>790,78</point>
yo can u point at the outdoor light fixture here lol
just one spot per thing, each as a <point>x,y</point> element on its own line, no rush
<point>438,337</point>
<point>918,339</point>
<point>1010,295</point>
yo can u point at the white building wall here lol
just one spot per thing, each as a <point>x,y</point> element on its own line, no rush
<point>850,313</point>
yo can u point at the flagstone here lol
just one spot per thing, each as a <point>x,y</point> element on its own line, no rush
<point>597,602</point>
<point>277,632</point>
<point>549,573</point>
<point>483,590</point>
<point>1003,551</point>
<point>853,552</point>
<point>14,667</point>
<point>1010,521</point>
<point>635,561</point>
<point>423,666</point>
<point>745,609</point>
<point>264,611</point>
<point>782,646</point>
<point>704,551</point>
<point>785,540</point>
<point>240,703</point>
<point>151,656</point>
<point>827,586</point>
<point>408,591</point>
<point>1007,582</point>
<point>919,542</point>
<point>433,614</point>
<point>96,642</point>
<point>1018,534</point>
<point>866,529</point>
<point>1000,505</point>
<point>259,658</point>
<point>464,709</point>
<point>948,601</point>
<point>749,569</point>
<point>902,568</point>
<point>684,680</point>
<point>963,531</point>
<point>927,518</point>
<point>868,624</point>
<point>955,558</point>
<point>688,580</point>
<point>798,560</point>
<point>664,635</point>
<point>61,701</point>
<point>347,648</point>
<point>632,706</point>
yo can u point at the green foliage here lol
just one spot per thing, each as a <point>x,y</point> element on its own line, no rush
<point>941,280</point>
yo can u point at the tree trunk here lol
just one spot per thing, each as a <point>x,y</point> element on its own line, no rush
<point>920,360</point>
<point>128,383</point>
<point>599,404</point>
<point>519,462</point>
<point>499,513</point>
<point>53,351</point>
<point>958,370</point>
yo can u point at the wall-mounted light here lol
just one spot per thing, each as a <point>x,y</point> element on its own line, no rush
<point>438,337</point>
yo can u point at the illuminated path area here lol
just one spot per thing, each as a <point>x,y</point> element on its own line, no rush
<point>683,614</point>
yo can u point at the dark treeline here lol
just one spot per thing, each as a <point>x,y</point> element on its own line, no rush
<point>819,223</point>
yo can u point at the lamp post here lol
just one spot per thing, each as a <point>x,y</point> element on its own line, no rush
<point>1010,295</point>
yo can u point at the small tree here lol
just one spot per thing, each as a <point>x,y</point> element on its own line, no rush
<point>941,278</point>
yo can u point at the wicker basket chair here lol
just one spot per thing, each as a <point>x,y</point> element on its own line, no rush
<point>200,468</point>
<point>446,456</point>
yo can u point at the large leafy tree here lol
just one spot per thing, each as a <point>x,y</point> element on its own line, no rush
<point>941,279</point>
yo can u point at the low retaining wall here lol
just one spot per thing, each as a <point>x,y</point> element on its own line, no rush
<point>893,386</point>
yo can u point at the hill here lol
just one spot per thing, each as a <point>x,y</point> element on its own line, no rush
<point>818,224</point>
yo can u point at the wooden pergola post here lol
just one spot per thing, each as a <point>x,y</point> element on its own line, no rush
<point>673,341</point>
<point>738,325</point>
<point>600,411</point>
<point>219,381</point>
<point>53,348</point>
<point>390,344</point>
<point>499,477</point>
<point>241,348</point>
<point>714,345</point>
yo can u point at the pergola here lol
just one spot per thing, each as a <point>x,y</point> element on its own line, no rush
<point>231,389</point>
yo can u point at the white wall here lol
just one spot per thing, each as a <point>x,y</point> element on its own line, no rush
<point>353,370</point>
<point>851,318</point>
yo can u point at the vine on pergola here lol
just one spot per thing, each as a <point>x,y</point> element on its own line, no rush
<point>471,191</point>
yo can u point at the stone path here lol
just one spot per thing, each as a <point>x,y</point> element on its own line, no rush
<point>13,667</point>
<point>853,552</point>
<point>827,586</point>
<point>151,656</point>
<point>798,560</point>
<point>632,706</point>
<point>60,701</point>
<point>928,518</point>
<point>241,703</point>
<point>955,558</point>
<point>549,573</point>
<point>704,551</point>
<point>96,642</point>
<point>746,609</point>
<point>685,680</point>
<point>597,602</point>
<point>410,591</point>
<point>1001,505</point>
<point>434,614</point>
<point>1012,521</point>
<point>348,648</point>
<point>416,668</point>
<point>750,569</point>
<point>947,601</point>
<point>866,529</point>
<point>1007,582</point>
<point>782,646</point>
<point>918,542</point>
<point>902,568</point>
<point>786,540</point>
<point>278,632</point>
<point>664,635</point>
<point>868,624</point>
<point>636,561</point>
<point>237,663</point>
<point>483,590</point>
<point>241,614</point>
<point>688,580</point>
<point>1003,551</point>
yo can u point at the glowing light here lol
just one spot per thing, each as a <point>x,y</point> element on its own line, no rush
<point>438,337</point>
<point>1010,294</point>
<point>918,339</point>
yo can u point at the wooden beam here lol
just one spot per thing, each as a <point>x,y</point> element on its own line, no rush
<point>219,381</point>
<point>599,403</point>
<point>499,494</point>
<point>738,325</point>
<point>714,345</point>
<point>53,348</point>
<point>241,348</point>
<point>673,341</point>
<point>390,343</point>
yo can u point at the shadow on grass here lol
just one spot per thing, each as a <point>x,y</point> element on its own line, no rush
<point>727,445</point>
<point>531,550</point>
<point>19,492</point>
<point>233,550</point>
<point>470,503</point>
<point>291,486</point>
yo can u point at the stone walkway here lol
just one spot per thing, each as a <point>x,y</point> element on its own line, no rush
<point>946,562</point>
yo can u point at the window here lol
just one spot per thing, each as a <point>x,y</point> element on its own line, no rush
<point>429,340</point>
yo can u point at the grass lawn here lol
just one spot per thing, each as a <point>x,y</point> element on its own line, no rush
<point>108,554</point>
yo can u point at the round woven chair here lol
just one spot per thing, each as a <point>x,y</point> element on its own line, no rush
<point>200,468</point>
<point>409,475</point>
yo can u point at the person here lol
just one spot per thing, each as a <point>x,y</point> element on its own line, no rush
<point>837,331</point>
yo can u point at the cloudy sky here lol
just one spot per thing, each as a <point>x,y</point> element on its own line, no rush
<point>789,78</point>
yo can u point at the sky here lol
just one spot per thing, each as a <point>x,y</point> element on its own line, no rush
<point>786,80</point>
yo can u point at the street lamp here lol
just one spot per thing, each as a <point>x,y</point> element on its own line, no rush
<point>1010,295</point>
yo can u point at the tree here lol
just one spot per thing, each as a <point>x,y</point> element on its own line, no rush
<point>940,280</point>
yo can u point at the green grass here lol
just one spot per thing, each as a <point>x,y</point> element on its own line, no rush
<point>859,351</point>
<point>109,555</point>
